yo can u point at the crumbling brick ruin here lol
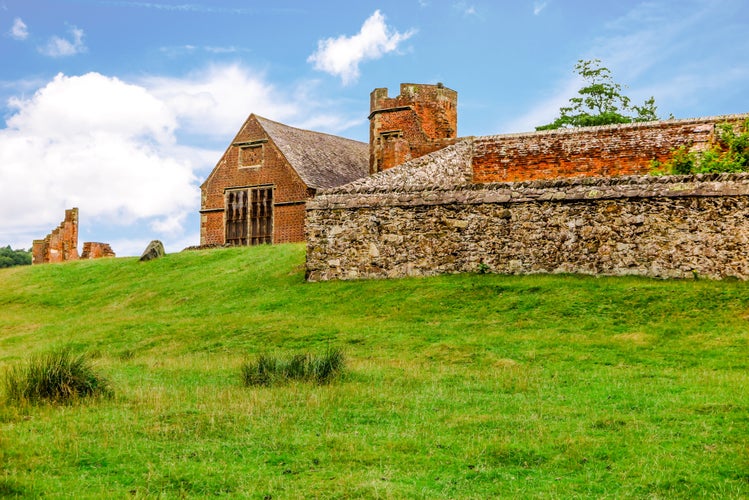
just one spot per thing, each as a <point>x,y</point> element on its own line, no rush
<point>62,244</point>
<point>96,250</point>
<point>572,201</point>
<point>421,119</point>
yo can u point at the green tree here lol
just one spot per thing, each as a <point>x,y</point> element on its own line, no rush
<point>600,102</point>
<point>10,258</point>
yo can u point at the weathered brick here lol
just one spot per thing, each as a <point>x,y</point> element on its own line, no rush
<point>421,119</point>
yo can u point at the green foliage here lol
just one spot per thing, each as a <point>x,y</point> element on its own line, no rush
<point>10,258</point>
<point>55,377</point>
<point>460,386</point>
<point>728,153</point>
<point>269,370</point>
<point>600,102</point>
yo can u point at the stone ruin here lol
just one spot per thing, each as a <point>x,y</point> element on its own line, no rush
<point>61,244</point>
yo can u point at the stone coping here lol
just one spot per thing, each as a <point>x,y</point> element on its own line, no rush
<point>558,190</point>
<point>622,126</point>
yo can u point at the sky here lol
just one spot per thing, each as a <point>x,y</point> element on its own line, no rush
<point>123,107</point>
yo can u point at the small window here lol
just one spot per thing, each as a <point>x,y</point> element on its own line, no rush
<point>391,134</point>
<point>251,156</point>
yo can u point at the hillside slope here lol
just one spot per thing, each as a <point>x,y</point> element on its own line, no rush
<point>465,386</point>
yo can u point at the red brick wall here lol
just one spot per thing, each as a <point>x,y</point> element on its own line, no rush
<point>288,223</point>
<point>96,250</point>
<point>273,170</point>
<point>425,116</point>
<point>61,244</point>
<point>597,151</point>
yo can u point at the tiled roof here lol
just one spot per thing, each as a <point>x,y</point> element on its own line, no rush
<point>321,160</point>
<point>446,168</point>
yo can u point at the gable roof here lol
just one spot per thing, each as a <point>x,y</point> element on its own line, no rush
<point>321,160</point>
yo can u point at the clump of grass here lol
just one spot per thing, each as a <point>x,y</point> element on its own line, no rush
<point>269,369</point>
<point>55,377</point>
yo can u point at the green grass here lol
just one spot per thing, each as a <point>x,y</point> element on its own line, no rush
<point>57,377</point>
<point>469,386</point>
<point>269,369</point>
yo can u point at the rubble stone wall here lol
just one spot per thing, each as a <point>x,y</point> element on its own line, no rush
<point>670,227</point>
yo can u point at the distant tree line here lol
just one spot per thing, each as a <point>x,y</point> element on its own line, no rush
<point>10,258</point>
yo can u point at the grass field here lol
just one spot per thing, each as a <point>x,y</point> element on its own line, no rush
<point>468,386</point>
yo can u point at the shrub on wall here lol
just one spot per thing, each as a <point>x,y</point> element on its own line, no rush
<point>729,153</point>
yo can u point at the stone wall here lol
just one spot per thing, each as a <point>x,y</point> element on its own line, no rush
<point>673,226</point>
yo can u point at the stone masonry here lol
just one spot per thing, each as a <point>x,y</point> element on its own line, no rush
<point>575,208</point>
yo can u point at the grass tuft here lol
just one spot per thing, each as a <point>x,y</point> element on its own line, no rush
<point>268,370</point>
<point>56,377</point>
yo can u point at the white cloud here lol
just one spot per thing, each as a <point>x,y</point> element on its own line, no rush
<point>465,9</point>
<point>341,56</point>
<point>217,100</point>
<point>546,110</point>
<point>115,149</point>
<point>19,30</point>
<point>96,143</point>
<point>62,47</point>
<point>539,6</point>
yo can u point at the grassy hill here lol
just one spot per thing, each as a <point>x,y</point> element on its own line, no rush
<point>470,386</point>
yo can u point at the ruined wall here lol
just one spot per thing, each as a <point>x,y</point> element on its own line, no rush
<point>421,119</point>
<point>642,225</point>
<point>611,150</point>
<point>61,244</point>
<point>96,250</point>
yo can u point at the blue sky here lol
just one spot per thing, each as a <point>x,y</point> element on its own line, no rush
<point>122,107</point>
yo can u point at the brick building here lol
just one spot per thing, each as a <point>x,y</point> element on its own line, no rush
<point>258,190</point>
<point>421,119</point>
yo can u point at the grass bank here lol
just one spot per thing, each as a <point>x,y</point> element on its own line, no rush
<point>470,386</point>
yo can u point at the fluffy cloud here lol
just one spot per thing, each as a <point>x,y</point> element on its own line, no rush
<point>538,7</point>
<point>19,30</point>
<point>61,47</point>
<point>215,101</point>
<point>126,153</point>
<point>341,56</point>
<point>96,143</point>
